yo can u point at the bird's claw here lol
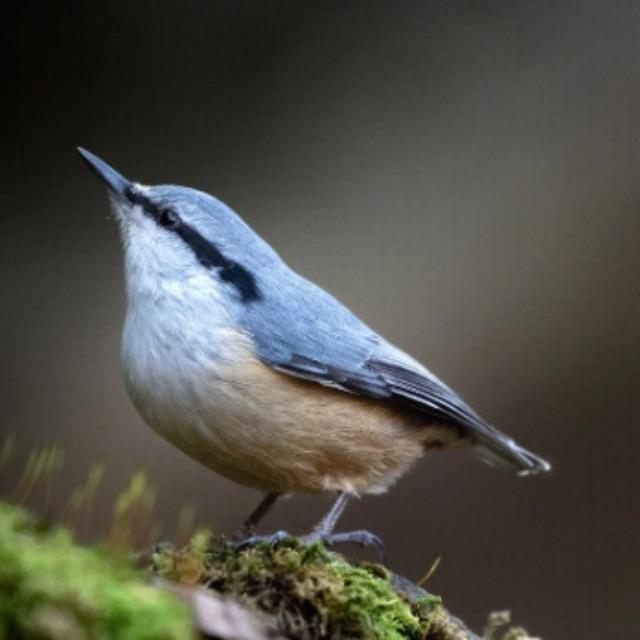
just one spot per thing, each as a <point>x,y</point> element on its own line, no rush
<point>274,540</point>
<point>360,537</point>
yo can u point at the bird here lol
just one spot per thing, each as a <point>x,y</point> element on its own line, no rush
<point>263,376</point>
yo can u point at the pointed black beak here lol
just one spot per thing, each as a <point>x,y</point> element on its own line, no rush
<point>117,184</point>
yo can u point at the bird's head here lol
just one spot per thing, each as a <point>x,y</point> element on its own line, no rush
<point>174,234</point>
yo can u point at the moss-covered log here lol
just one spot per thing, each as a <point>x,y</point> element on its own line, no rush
<point>308,592</point>
<point>52,588</point>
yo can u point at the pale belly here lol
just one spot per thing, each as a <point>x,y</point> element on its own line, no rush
<point>266,429</point>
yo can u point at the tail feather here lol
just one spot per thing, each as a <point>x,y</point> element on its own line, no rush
<point>500,451</point>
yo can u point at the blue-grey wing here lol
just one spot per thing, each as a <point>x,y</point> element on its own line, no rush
<point>303,331</point>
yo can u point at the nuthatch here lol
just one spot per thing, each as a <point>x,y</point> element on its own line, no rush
<point>263,376</point>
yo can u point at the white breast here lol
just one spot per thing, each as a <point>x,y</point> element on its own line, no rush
<point>177,343</point>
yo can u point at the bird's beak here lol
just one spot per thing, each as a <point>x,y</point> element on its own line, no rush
<point>116,183</point>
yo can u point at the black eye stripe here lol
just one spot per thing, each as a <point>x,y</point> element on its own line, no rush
<point>169,219</point>
<point>205,251</point>
<point>209,256</point>
<point>137,197</point>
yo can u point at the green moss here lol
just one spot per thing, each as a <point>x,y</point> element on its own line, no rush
<point>51,589</point>
<point>309,592</point>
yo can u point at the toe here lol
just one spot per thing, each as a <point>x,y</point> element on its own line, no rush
<point>278,537</point>
<point>360,537</point>
<point>274,540</point>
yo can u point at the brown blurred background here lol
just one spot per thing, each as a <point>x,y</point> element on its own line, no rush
<point>465,176</point>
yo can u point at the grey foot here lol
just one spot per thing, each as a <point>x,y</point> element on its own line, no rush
<point>242,534</point>
<point>274,540</point>
<point>360,537</point>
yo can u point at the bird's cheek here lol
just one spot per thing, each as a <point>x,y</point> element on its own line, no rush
<point>137,217</point>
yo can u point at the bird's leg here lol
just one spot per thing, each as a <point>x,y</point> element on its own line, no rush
<point>323,531</point>
<point>248,528</point>
<point>325,527</point>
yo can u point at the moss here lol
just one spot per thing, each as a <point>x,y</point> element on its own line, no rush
<point>308,591</point>
<point>51,589</point>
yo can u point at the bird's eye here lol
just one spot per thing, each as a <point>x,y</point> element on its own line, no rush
<point>169,218</point>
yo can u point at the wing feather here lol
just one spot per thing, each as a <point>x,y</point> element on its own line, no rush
<point>327,344</point>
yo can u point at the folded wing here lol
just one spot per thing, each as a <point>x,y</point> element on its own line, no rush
<point>329,345</point>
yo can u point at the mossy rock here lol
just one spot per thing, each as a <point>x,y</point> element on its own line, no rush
<point>53,589</point>
<point>308,592</point>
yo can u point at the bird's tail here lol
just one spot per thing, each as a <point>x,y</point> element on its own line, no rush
<point>501,451</point>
